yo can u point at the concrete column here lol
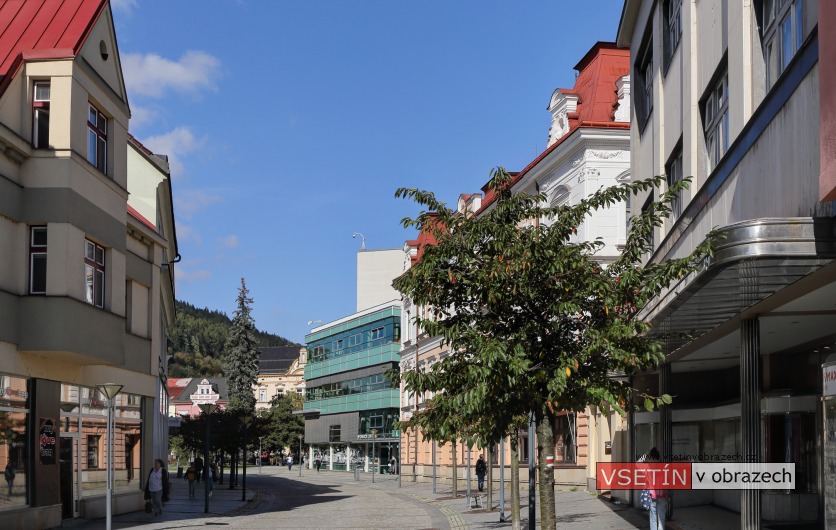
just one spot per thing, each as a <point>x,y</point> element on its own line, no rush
<point>366,458</point>
<point>310,456</point>
<point>750,417</point>
<point>330,457</point>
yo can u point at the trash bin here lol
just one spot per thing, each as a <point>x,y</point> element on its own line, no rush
<point>357,473</point>
<point>179,471</point>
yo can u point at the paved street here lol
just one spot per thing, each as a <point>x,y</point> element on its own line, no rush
<point>278,498</point>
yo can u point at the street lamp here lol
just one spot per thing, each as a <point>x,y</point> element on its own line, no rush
<point>110,390</point>
<point>362,237</point>
<point>207,409</point>
<point>301,437</point>
<point>374,436</point>
<point>245,422</point>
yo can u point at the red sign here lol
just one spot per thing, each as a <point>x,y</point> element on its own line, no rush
<point>644,475</point>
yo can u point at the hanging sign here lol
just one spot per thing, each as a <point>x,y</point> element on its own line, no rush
<point>46,441</point>
<point>829,374</point>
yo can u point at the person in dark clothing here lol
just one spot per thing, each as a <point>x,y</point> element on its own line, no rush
<point>198,467</point>
<point>481,469</point>
<point>318,462</point>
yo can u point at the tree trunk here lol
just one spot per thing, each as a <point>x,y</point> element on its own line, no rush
<point>489,476</point>
<point>221,470</point>
<point>545,448</point>
<point>515,481</point>
<point>455,473</point>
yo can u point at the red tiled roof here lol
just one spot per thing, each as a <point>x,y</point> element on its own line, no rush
<point>425,238</point>
<point>597,96</point>
<point>43,29</point>
<point>176,385</point>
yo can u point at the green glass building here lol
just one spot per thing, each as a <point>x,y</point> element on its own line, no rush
<point>350,406</point>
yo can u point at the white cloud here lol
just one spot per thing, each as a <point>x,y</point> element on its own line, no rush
<point>152,75</point>
<point>177,145</point>
<point>141,115</point>
<point>185,275</point>
<point>229,241</point>
<point>189,202</point>
<point>123,5</point>
<point>186,233</point>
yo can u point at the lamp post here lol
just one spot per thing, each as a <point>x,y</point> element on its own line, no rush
<point>374,436</point>
<point>207,409</point>
<point>301,437</point>
<point>245,422</point>
<point>109,390</point>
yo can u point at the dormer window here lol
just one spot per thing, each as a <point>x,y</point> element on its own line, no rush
<point>40,115</point>
<point>97,139</point>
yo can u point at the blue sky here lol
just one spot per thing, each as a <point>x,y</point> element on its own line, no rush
<point>290,124</point>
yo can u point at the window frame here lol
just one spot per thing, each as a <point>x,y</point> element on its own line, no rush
<point>672,14</point>
<point>97,139</point>
<point>97,266</point>
<point>36,250</point>
<point>774,15</point>
<point>674,173</point>
<point>644,82</point>
<point>40,107</point>
<point>715,118</point>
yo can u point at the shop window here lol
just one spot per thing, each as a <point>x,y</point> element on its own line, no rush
<point>97,139</point>
<point>94,273</point>
<point>792,438</point>
<point>40,115</point>
<point>37,260</point>
<point>566,438</point>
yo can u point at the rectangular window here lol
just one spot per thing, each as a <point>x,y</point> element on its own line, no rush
<point>262,395</point>
<point>644,83</point>
<point>377,333</point>
<point>646,208</point>
<point>97,139</point>
<point>94,273</point>
<point>716,120</point>
<point>782,35</point>
<point>673,27</point>
<point>673,170</point>
<point>334,433</point>
<point>37,260</point>
<point>40,115</point>
<point>93,451</point>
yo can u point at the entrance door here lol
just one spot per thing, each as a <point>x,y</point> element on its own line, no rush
<point>830,463</point>
<point>67,453</point>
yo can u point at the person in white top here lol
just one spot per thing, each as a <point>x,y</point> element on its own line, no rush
<point>157,486</point>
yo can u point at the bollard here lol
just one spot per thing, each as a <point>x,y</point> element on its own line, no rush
<point>357,473</point>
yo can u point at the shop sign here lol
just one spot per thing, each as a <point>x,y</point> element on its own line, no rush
<point>46,441</point>
<point>829,374</point>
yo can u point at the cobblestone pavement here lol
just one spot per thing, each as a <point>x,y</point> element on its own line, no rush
<point>278,498</point>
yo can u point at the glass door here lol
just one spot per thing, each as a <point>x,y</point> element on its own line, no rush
<point>68,471</point>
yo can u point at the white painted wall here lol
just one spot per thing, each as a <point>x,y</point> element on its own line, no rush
<point>376,269</point>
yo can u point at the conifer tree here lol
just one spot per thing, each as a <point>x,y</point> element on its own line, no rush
<point>240,365</point>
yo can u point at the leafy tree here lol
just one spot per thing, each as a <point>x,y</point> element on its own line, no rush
<point>279,426</point>
<point>241,356</point>
<point>534,322</point>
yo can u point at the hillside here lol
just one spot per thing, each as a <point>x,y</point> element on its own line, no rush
<point>197,339</point>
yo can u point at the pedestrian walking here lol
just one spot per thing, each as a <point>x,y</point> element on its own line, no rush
<point>198,467</point>
<point>191,476</point>
<point>289,462</point>
<point>157,486</point>
<point>658,497</point>
<point>393,465</point>
<point>481,469</point>
<point>9,475</point>
<point>318,462</point>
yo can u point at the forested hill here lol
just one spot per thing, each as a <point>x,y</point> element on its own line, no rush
<point>197,340</point>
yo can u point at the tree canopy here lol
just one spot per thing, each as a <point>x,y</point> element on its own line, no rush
<point>534,321</point>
